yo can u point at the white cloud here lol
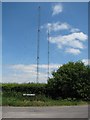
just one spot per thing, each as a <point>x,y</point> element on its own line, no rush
<point>58,8</point>
<point>74,40</point>
<point>32,67</point>
<point>78,36</point>
<point>73,51</point>
<point>27,73</point>
<point>86,61</point>
<point>56,26</point>
<point>74,30</point>
<point>23,68</point>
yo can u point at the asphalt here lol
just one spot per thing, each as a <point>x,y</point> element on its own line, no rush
<point>46,112</point>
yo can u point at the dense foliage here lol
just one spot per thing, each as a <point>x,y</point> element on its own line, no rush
<point>71,80</point>
<point>24,88</point>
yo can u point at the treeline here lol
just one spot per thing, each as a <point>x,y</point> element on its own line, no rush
<point>72,80</point>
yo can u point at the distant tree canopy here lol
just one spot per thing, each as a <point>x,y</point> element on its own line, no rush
<point>71,80</point>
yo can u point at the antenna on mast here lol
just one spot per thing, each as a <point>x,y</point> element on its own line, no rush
<point>48,53</point>
<point>38,44</point>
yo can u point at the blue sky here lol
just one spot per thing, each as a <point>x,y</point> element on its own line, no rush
<point>68,25</point>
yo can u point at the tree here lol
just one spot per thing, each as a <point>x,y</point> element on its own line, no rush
<point>70,81</point>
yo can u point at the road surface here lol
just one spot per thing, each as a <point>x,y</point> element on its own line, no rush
<point>45,112</point>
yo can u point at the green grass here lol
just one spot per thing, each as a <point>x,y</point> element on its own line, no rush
<point>15,101</point>
<point>0,98</point>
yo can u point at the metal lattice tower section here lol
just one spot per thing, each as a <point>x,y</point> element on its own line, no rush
<point>38,45</point>
<point>48,52</point>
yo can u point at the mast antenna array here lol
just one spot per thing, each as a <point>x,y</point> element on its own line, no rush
<point>48,52</point>
<point>38,44</point>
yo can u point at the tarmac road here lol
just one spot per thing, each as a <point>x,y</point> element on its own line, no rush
<point>46,112</point>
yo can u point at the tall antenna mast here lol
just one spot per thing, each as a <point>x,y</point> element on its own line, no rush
<point>38,42</point>
<point>48,53</point>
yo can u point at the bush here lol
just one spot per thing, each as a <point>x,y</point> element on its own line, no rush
<point>70,81</point>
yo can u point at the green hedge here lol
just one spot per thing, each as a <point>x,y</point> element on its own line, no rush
<point>25,88</point>
<point>9,90</point>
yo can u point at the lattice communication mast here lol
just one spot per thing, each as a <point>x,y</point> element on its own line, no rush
<point>48,53</point>
<point>38,44</point>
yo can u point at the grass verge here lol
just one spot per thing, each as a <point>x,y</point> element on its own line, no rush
<point>13,101</point>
